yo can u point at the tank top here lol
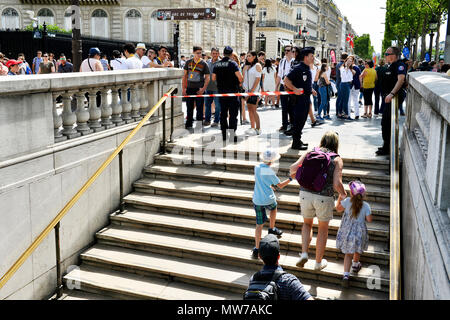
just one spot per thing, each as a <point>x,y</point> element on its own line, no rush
<point>250,77</point>
<point>321,82</point>
<point>369,79</point>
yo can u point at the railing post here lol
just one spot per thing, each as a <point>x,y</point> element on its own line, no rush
<point>59,286</point>
<point>172,100</point>
<point>122,204</point>
<point>163,145</point>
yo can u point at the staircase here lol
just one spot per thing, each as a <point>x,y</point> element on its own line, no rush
<point>188,231</point>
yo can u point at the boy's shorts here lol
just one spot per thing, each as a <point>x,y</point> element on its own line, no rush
<point>261,215</point>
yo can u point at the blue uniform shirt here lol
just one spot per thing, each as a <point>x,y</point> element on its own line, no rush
<point>356,83</point>
<point>290,288</point>
<point>301,78</point>
<point>263,194</point>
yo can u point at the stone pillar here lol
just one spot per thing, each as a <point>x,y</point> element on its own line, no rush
<point>69,117</point>
<point>126,106</point>
<point>135,102</point>
<point>116,107</point>
<point>82,115</point>
<point>57,121</point>
<point>144,100</point>
<point>94,112</point>
<point>106,110</point>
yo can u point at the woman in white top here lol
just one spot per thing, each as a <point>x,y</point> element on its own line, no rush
<point>252,76</point>
<point>347,73</point>
<point>269,75</point>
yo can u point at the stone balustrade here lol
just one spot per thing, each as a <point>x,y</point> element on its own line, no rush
<point>425,183</point>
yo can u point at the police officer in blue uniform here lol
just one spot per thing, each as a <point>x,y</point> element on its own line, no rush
<point>393,81</point>
<point>226,73</point>
<point>299,80</point>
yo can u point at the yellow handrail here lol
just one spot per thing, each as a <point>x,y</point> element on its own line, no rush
<point>80,192</point>
<point>394,235</point>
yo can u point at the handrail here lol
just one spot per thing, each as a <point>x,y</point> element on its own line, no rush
<point>394,235</point>
<point>55,222</point>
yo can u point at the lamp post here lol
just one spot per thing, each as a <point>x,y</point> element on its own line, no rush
<point>251,11</point>
<point>261,39</point>
<point>76,35</point>
<point>323,44</point>
<point>432,25</point>
<point>304,35</point>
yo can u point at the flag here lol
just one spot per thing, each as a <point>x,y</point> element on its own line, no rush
<point>350,39</point>
<point>233,4</point>
<point>374,58</point>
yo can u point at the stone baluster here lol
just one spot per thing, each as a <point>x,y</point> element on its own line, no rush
<point>94,112</point>
<point>135,102</point>
<point>144,100</point>
<point>69,117</point>
<point>126,106</point>
<point>106,110</point>
<point>116,107</point>
<point>57,121</point>
<point>82,115</point>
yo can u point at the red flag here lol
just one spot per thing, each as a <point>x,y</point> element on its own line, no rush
<point>350,39</point>
<point>233,4</point>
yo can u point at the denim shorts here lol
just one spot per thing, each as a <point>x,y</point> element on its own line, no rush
<point>261,215</point>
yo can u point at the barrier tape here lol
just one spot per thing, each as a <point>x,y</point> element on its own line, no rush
<point>248,94</point>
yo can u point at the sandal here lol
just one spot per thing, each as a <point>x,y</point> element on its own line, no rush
<point>364,115</point>
<point>369,115</point>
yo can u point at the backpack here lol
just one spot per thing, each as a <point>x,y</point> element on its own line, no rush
<point>312,174</point>
<point>263,286</point>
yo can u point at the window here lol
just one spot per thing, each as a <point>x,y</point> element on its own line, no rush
<point>45,15</point>
<point>159,30</point>
<point>133,25</point>
<point>218,35</point>
<point>10,19</point>
<point>226,41</point>
<point>99,24</point>
<point>262,14</point>
<point>198,33</point>
<point>233,35</point>
<point>299,13</point>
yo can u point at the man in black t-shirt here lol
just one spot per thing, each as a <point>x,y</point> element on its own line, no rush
<point>393,81</point>
<point>226,73</point>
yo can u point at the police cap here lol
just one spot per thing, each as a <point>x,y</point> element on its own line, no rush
<point>227,50</point>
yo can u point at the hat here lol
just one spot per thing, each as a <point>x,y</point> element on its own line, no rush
<point>228,50</point>
<point>269,246</point>
<point>141,46</point>
<point>12,62</point>
<point>94,51</point>
<point>269,155</point>
<point>307,50</point>
<point>357,187</point>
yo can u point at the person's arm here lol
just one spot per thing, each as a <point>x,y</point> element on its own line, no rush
<point>398,86</point>
<point>316,78</point>
<point>257,80</point>
<point>339,207</point>
<point>283,184</point>
<point>214,77</point>
<point>202,90</point>
<point>369,218</point>
<point>239,76</point>
<point>337,177</point>
<point>294,167</point>
<point>326,78</point>
<point>262,80</point>
<point>32,70</point>
<point>363,75</point>
<point>288,85</point>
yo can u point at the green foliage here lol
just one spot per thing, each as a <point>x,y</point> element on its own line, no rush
<point>363,46</point>
<point>51,28</point>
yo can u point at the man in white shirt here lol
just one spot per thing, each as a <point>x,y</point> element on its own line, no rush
<point>118,62</point>
<point>92,63</point>
<point>140,52</point>
<point>284,69</point>
<point>132,62</point>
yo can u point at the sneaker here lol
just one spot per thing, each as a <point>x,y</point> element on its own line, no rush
<point>277,106</point>
<point>320,118</point>
<point>357,117</point>
<point>356,268</point>
<point>214,124</point>
<point>255,253</point>
<point>258,131</point>
<point>206,123</point>
<point>345,281</point>
<point>327,117</point>
<point>322,265</point>
<point>298,146</point>
<point>313,124</point>
<point>250,132</point>
<point>348,119</point>
<point>303,143</point>
<point>245,122</point>
<point>301,262</point>
<point>289,132</point>
<point>276,232</point>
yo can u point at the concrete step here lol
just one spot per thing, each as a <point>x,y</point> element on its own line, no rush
<point>286,220</point>
<point>235,232</point>
<point>237,179</point>
<point>370,176</point>
<point>205,274</point>
<point>126,285</point>
<point>247,152</point>
<point>77,295</point>
<point>235,195</point>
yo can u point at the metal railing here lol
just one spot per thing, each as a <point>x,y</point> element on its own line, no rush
<point>394,234</point>
<point>276,24</point>
<point>55,223</point>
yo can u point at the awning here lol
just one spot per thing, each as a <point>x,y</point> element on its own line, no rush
<point>284,42</point>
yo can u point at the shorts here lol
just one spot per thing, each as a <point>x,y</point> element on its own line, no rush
<point>261,215</point>
<point>315,205</point>
<point>252,100</point>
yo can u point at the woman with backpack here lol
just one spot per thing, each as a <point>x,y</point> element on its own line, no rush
<point>319,173</point>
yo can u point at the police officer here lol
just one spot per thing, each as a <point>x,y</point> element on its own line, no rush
<point>228,77</point>
<point>393,82</point>
<point>299,81</point>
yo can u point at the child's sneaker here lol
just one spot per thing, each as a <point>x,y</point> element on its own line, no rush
<point>301,262</point>
<point>345,280</point>
<point>356,267</point>
<point>255,253</point>
<point>276,232</point>
<point>322,265</point>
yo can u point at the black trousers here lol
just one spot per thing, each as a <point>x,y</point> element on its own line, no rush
<point>285,107</point>
<point>300,112</point>
<point>386,126</point>
<point>231,106</point>
<point>190,107</point>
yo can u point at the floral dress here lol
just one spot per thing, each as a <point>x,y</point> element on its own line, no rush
<point>352,235</point>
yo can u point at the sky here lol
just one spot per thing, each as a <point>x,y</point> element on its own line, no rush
<point>366,16</point>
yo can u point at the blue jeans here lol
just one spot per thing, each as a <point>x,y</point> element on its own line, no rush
<point>208,103</point>
<point>316,98</point>
<point>344,94</point>
<point>323,100</point>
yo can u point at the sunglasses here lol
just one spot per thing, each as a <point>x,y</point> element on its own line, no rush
<point>45,56</point>
<point>388,54</point>
<point>288,50</point>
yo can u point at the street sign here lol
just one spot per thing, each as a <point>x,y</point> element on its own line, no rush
<point>406,52</point>
<point>186,14</point>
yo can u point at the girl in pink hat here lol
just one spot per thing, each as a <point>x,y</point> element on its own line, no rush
<point>352,237</point>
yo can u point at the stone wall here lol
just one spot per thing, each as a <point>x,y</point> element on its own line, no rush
<point>38,176</point>
<point>425,183</point>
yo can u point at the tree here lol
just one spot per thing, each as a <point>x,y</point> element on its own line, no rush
<point>363,46</point>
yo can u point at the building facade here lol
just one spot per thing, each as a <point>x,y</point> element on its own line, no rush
<point>135,20</point>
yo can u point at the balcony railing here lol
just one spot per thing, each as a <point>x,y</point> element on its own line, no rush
<point>276,24</point>
<point>306,2</point>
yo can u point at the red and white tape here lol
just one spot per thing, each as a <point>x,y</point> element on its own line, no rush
<point>248,94</point>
